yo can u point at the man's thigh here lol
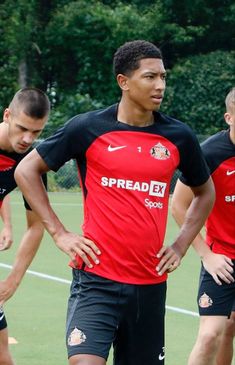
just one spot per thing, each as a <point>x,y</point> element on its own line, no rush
<point>92,317</point>
<point>140,336</point>
<point>212,326</point>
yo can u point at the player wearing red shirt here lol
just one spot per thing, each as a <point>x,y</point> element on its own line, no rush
<point>216,295</point>
<point>126,156</point>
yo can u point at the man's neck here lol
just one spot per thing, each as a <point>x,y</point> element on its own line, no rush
<point>131,115</point>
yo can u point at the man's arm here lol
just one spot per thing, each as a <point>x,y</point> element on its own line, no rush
<point>219,266</point>
<point>6,236</point>
<point>191,223</point>
<point>27,249</point>
<point>28,177</point>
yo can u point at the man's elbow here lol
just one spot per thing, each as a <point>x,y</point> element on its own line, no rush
<point>21,173</point>
<point>17,173</point>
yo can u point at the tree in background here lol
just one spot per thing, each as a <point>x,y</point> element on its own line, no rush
<point>65,48</point>
<point>196,89</point>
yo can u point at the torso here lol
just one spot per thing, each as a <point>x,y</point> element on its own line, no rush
<point>125,175</point>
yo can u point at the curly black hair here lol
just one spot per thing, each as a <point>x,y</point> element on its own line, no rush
<point>127,57</point>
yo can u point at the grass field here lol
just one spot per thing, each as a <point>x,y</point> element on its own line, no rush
<point>36,313</point>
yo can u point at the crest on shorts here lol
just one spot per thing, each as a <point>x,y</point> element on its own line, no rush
<point>76,337</point>
<point>160,152</point>
<point>205,301</point>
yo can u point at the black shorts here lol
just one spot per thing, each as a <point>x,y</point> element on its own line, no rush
<point>233,308</point>
<point>3,322</point>
<point>214,299</point>
<point>102,313</point>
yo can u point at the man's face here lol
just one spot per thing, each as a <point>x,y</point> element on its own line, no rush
<point>22,129</point>
<point>147,84</point>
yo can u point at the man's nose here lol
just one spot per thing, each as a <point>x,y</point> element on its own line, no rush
<point>28,138</point>
<point>160,84</point>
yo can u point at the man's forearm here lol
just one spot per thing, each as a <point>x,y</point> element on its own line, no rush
<point>6,212</point>
<point>24,256</point>
<point>193,221</point>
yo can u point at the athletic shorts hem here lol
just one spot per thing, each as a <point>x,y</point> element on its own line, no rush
<point>3,321</point>
<point>84,352</point>
<point>214,314</point>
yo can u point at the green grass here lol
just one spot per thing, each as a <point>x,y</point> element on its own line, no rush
<point>36,313</point>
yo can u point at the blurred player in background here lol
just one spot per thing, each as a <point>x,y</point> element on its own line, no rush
<point>216,295</point>
<point>23,121</point>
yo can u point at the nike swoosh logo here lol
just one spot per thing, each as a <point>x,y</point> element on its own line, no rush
<point>161,357</point>
<point>2,316</point>
<point>111,149</point>
<point>230,172</point>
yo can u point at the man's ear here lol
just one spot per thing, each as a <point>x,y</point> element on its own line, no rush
<point>6,115</point>
<point>228,118</point>
<point>122,81</point>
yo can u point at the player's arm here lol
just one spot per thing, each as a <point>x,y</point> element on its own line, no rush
<point>191,224</point>
<point>6,235</point>
<point>219,266</point>
<point>24,255</point>
<point>28,177</point>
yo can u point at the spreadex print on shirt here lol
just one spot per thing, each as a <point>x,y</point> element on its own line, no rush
<point>125,174</point>
<point>220,226</point>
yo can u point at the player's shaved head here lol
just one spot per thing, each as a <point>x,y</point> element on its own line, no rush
<point>32,101</point>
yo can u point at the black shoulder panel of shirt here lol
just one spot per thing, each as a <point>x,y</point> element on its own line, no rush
<point>105,121</point>
<point>74,138</point>
<point>217,149</point>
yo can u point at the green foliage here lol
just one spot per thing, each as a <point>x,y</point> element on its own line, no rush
<point>85,36</point>
<point>66,108</point>
<point>196,90</point>
<point>66,48</point>
<point>66,178</point>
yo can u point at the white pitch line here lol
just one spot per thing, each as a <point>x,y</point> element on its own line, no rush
<point>55,278</point>
<point>180,310</point>
<point>40,275</point>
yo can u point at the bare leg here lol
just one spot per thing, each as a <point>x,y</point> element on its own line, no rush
<point>209,337</point>
<point>225,352</point>
<point>5,356</point>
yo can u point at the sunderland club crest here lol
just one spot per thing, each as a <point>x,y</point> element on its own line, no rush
<point>160,152</point>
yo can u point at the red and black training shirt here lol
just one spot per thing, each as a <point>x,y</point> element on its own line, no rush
<point>8,164</point>
<point>219,152</point>
<point>125,174</point>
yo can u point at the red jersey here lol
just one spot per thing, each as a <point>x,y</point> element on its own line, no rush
<point>8,164</point>
<point>219,152</point>
<point>125,174</point>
